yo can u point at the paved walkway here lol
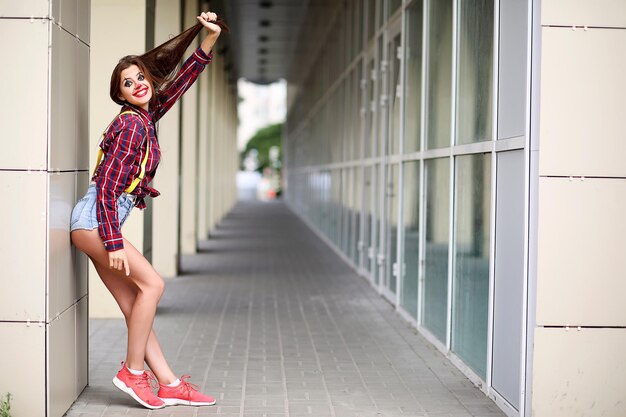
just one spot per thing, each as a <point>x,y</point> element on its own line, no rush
<point>270,321</point>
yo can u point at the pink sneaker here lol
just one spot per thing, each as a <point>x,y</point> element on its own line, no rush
<point>184,394</point>
<point>138,387</point>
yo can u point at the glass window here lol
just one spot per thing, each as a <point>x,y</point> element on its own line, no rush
<point>367,216</point>
<point>358,196</point>
<point>413,70</point>
<point>471,275</point>
<point>411,211</point>
<point>437,184</point>
<point>393,6</point>
<point>357,128</point>
<point>370,106</point>
<point>475,71</point>
<point>394,97</point>
<point>357,42</point>
<point>382,103</point>
<point>371,18</point>
<point>439,100</point>
<point>392,225</point>
<point>375,230</point>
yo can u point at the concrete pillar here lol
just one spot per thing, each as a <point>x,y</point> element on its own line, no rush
<point>580,334</point>
<point>189,137</point>
<point>107,47</point>
<point>165,210</point>
<point>214,114</point>
<point>43,171</point>
<point>205,93</point>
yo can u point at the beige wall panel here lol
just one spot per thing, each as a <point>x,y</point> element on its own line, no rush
<point>24,360</point>
<point>68,15</point>
<point>582,91</point>
<point>82,345</point>
<point>23,283</point>
<point>61,363</point>
<point>604,13</point>
<point>165,208</point>
<point>107,47</point>
<point>24,127</point>
<point>581,263</point>
<point>64,106</point>
<point>579,373</point>
<point>62,278</point>
<point>189,129</point>
<point>24,8</point>
<point>84,142</point>
<point>83,13</point>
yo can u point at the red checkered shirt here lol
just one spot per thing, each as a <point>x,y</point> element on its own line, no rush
<point>124,149</point>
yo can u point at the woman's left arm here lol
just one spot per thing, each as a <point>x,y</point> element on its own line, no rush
<point>191,69</point>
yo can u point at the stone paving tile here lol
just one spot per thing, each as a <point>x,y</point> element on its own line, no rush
<point>272,323</point>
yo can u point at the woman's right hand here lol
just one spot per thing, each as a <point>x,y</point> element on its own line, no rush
<point>118,261</point>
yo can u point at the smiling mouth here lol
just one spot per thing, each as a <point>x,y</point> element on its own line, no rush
<point>141,93</point>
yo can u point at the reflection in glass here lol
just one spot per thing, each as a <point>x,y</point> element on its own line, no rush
<point>370,108</point>
<point>436,258</point>
<point>411,210</point>
<point>367,216</point>
<point>357,213</point>
<point>357,139</point>
<point>371,18</point>
<point>393,6</point>
<point>394,97</point>
<point>375,231</point>
<point>392,225</point>
<point>475,71</point>
<point>439,100</point>
<point>348,209</point>
<point>357,41</point>
<point>471,277</point>
<point>382,101</point>
<point>413,70</point>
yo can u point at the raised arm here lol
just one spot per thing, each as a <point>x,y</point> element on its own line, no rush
<point>191,69</point>
<point>214,31</point>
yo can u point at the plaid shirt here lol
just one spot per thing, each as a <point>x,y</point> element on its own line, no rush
<point>125,148</point>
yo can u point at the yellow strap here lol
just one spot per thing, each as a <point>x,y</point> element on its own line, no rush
<point>142,173</point>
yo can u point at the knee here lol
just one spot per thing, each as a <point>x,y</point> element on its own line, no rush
<point>154,289</point>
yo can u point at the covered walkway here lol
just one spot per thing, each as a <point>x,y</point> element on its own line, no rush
<point>271,321</point>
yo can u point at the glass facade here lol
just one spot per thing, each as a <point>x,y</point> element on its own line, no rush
<point>437,237</point>
<point>471,259</point>
<point>392,157</point>
<point>475,73</point>
<point>411,224</point>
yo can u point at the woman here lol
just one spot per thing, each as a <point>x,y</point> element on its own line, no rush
<point>145,88</point>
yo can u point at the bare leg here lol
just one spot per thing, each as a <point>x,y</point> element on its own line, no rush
<point>125,291</point>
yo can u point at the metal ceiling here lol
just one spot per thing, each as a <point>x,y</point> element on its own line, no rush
<point>264,35</point>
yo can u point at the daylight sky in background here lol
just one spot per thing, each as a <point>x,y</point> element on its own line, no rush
<point>262,105</point>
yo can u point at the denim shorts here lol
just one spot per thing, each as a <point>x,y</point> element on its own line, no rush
<point>84,212</point>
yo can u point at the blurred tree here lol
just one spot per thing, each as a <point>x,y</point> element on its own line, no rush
<point>262,141</point>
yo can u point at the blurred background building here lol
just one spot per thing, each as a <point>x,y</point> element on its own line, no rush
<point>464,156</point>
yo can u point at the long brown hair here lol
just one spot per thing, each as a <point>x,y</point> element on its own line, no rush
<point>159,64</point>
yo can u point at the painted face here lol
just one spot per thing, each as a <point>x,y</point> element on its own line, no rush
<point>134,87</point>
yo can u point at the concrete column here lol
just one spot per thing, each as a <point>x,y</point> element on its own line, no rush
<point>43,171</point>
<point>203,151</point>
<point>166,207</point>
<point>580,335</point>
<point>108,46</point>
<point>189,137</point>
<point>215,110</point>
